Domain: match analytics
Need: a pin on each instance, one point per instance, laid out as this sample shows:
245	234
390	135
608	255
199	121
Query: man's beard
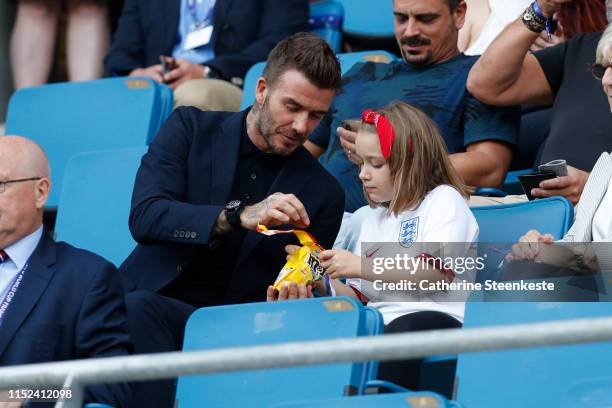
266	126
416	60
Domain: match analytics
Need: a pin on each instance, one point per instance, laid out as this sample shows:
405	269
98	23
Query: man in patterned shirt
431	75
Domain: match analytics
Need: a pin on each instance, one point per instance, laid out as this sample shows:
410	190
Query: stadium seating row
558	376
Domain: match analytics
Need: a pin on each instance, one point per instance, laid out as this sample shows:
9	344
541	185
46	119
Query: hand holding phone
167	63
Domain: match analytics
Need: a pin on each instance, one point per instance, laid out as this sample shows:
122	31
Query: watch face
527	16
232	205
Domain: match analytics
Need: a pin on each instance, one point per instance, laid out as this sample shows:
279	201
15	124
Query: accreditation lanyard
8	298
193	11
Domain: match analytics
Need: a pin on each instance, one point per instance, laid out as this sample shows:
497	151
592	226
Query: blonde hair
604	47
416	173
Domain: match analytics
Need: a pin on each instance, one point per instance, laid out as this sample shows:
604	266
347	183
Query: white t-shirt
442	217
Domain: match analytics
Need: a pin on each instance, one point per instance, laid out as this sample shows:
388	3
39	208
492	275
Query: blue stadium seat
326	21
503	225
271	323
512	184
368	18
397	400
250	82
508	222
95	202
576	376
75	117
347	60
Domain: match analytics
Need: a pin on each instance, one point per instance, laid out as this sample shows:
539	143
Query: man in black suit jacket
228	40
206	182
57	302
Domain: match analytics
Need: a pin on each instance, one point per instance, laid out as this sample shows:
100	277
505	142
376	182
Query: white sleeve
448	218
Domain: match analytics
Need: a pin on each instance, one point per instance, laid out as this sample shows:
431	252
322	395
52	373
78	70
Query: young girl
415	197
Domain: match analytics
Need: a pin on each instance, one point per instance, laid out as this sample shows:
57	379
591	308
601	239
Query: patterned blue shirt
203	10
439	90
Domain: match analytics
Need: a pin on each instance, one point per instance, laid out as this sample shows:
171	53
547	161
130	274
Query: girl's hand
289	291
290	249
339	263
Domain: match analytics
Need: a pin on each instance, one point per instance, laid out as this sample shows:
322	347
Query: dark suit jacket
244	32
69	306
184	182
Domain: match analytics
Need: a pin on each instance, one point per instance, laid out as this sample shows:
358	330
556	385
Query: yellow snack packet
303	267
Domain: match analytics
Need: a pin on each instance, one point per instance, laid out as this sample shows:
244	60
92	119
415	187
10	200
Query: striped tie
3	256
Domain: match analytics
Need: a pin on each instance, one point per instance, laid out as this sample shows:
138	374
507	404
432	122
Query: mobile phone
351	124
167	63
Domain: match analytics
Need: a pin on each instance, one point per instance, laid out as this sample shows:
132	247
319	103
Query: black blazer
244	32
69	306
184	182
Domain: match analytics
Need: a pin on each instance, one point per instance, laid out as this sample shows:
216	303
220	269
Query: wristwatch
232	213
210	73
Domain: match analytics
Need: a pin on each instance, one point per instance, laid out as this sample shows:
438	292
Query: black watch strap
233	209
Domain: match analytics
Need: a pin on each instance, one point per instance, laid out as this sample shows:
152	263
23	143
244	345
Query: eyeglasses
599	70
4	183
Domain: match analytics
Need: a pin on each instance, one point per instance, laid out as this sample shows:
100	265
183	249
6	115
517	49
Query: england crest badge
409	230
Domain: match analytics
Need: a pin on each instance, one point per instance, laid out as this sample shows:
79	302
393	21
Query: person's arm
101	330
159	210
478	13
507	74
277	20
319	139
127	49
489	133
483	164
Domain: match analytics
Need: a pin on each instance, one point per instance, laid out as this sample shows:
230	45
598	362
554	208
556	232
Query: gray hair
604	47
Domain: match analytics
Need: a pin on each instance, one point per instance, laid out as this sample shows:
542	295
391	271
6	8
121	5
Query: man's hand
276	209
289	291
347	140
542	41
529	246
184	71
340	263
154	72
569	186
550	7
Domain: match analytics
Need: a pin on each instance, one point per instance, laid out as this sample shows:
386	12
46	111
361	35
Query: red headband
386	134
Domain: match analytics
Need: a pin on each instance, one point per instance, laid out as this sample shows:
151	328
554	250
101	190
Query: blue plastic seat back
374	325
508	222
396	400
512	184
326	21
270	323
576	376
503	225
348	59
367	18
95	202
250	82
75	117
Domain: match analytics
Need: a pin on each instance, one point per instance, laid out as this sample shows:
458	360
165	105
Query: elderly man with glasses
57	302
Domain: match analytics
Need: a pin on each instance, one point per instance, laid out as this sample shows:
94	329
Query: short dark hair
452	4
308	54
